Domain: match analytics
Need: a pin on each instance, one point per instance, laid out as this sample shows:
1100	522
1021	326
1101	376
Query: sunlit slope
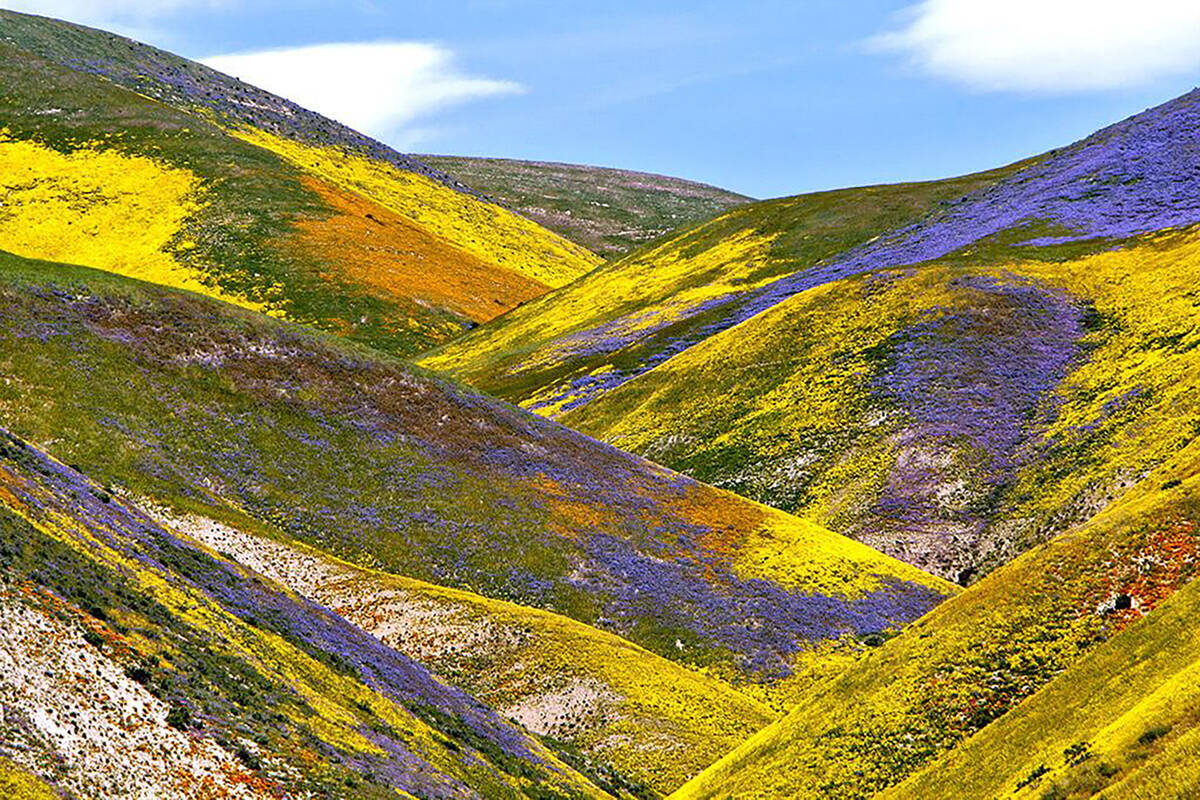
118	156
948	401
628	316
181	399
135	663
1132	178
609	211
639	722
977	656
1112	722
950	415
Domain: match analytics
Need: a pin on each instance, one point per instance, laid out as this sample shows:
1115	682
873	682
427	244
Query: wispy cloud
1048	45
380	88
132	17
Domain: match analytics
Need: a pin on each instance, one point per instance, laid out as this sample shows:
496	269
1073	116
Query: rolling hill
248	550
215	412
592	694
609	211
1057	675
136	664
123	157
950	372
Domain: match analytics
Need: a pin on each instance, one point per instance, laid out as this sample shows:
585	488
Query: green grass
609	211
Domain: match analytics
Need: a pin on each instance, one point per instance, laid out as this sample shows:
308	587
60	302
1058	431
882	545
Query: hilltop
126	158
609	211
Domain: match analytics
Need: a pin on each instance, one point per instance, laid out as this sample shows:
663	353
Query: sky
764	97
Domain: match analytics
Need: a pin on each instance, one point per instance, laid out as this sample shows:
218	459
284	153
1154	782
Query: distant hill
119	156
609	211
950	371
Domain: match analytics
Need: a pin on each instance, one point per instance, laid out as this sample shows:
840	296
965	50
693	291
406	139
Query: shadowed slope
609	211
184	400
119	156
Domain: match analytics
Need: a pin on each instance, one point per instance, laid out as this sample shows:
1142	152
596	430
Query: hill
123	157
950	372
1058	675
609	211
211	411
592	694
136	663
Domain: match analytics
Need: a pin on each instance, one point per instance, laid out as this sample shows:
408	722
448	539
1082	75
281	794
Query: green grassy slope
965	669
609	211
119	156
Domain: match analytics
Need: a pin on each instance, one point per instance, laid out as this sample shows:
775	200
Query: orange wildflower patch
729	519
570	515
1168	564
376	247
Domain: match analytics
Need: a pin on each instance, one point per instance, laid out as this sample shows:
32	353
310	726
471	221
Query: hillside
1084	629
950	383
122	157
136	664
216	412
589	692
608	211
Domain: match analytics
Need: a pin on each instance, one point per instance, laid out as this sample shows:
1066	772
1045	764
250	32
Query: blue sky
766	97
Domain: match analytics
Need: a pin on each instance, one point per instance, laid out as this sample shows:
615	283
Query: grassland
122	157
608	211
955	681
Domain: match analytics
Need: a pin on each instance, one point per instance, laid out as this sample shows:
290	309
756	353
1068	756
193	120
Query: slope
609	211
120	156
566	348
1112	723
134	664
974	659
207	407
945	391
592	694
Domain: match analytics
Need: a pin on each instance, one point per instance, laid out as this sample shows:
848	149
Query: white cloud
379	88
1049	45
